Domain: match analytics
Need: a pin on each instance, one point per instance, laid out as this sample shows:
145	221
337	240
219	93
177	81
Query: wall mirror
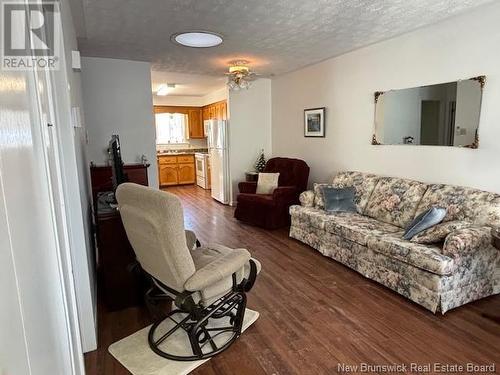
446	114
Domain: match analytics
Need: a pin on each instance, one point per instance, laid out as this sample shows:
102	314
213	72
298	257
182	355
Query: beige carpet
134	352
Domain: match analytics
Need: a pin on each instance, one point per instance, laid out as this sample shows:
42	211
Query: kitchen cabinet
176	170
186	174
217	111
168	175
195	123
206	113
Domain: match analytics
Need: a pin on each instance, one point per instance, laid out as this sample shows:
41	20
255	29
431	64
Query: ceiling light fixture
239	75
197	39
165	89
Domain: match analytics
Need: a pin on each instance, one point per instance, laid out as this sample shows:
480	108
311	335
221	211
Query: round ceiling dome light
197	39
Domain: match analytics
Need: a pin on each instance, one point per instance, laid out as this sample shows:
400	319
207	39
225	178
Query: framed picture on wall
314	122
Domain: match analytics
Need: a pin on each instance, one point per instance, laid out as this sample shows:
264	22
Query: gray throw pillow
425	220
339	199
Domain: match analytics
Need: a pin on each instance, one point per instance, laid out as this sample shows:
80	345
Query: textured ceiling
276	36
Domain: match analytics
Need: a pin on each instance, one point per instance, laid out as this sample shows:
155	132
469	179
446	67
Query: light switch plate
76	63
76	117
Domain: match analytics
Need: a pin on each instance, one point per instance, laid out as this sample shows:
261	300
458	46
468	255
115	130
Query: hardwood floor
315	313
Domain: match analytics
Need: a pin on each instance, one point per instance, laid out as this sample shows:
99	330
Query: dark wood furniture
495	234
100	177
119	283
251	176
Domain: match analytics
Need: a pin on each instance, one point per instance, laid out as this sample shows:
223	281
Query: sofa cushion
395	200
350	225
364	183
319	202
309	216
426	257
267	182
425	220
462	203
356	227
339	199
439	232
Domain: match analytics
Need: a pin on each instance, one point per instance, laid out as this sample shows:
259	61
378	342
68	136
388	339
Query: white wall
249	129
191	100
76	149
178	100
462	47
216	96
118	100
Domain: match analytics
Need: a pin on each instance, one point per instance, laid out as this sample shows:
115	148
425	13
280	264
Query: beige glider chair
206	283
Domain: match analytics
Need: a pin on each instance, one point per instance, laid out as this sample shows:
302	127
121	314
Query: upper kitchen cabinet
215	111
195	123
206	113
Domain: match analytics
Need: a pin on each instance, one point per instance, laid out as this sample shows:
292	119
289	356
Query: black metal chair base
201	335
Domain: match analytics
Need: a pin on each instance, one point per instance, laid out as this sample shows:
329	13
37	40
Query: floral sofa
438	276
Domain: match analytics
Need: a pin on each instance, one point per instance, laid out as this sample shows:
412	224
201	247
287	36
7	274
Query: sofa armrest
247	187
306	198
217	270
465	241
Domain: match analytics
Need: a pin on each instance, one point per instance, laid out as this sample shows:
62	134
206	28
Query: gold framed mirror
445	114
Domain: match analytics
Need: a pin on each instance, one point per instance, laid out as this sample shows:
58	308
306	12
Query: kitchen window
170	128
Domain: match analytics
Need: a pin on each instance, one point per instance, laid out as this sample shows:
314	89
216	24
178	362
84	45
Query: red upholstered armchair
270	211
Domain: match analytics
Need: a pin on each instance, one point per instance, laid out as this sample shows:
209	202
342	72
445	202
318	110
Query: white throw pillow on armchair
267	182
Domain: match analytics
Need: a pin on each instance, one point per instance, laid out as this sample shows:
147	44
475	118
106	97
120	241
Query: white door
37	328
34	335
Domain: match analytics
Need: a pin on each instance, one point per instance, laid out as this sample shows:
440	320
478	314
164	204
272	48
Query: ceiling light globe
197	39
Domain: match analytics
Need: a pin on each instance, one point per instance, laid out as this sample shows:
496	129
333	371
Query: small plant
260	164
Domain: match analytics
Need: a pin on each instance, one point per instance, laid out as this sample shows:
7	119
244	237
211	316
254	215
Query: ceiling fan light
238	69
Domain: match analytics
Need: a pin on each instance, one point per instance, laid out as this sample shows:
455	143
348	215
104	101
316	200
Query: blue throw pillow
339	200
425	220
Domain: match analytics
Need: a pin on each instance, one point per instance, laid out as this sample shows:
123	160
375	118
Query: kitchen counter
181	152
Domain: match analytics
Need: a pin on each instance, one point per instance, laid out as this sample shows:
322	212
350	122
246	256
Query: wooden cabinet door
206	113
168	174
195	123
223	109
211	111
187	173
218	111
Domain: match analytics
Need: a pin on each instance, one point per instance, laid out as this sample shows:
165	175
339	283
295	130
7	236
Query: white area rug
134	352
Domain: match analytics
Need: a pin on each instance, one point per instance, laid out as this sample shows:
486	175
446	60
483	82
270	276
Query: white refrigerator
218	144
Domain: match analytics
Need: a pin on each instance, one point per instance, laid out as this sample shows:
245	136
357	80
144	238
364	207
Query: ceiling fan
240	75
